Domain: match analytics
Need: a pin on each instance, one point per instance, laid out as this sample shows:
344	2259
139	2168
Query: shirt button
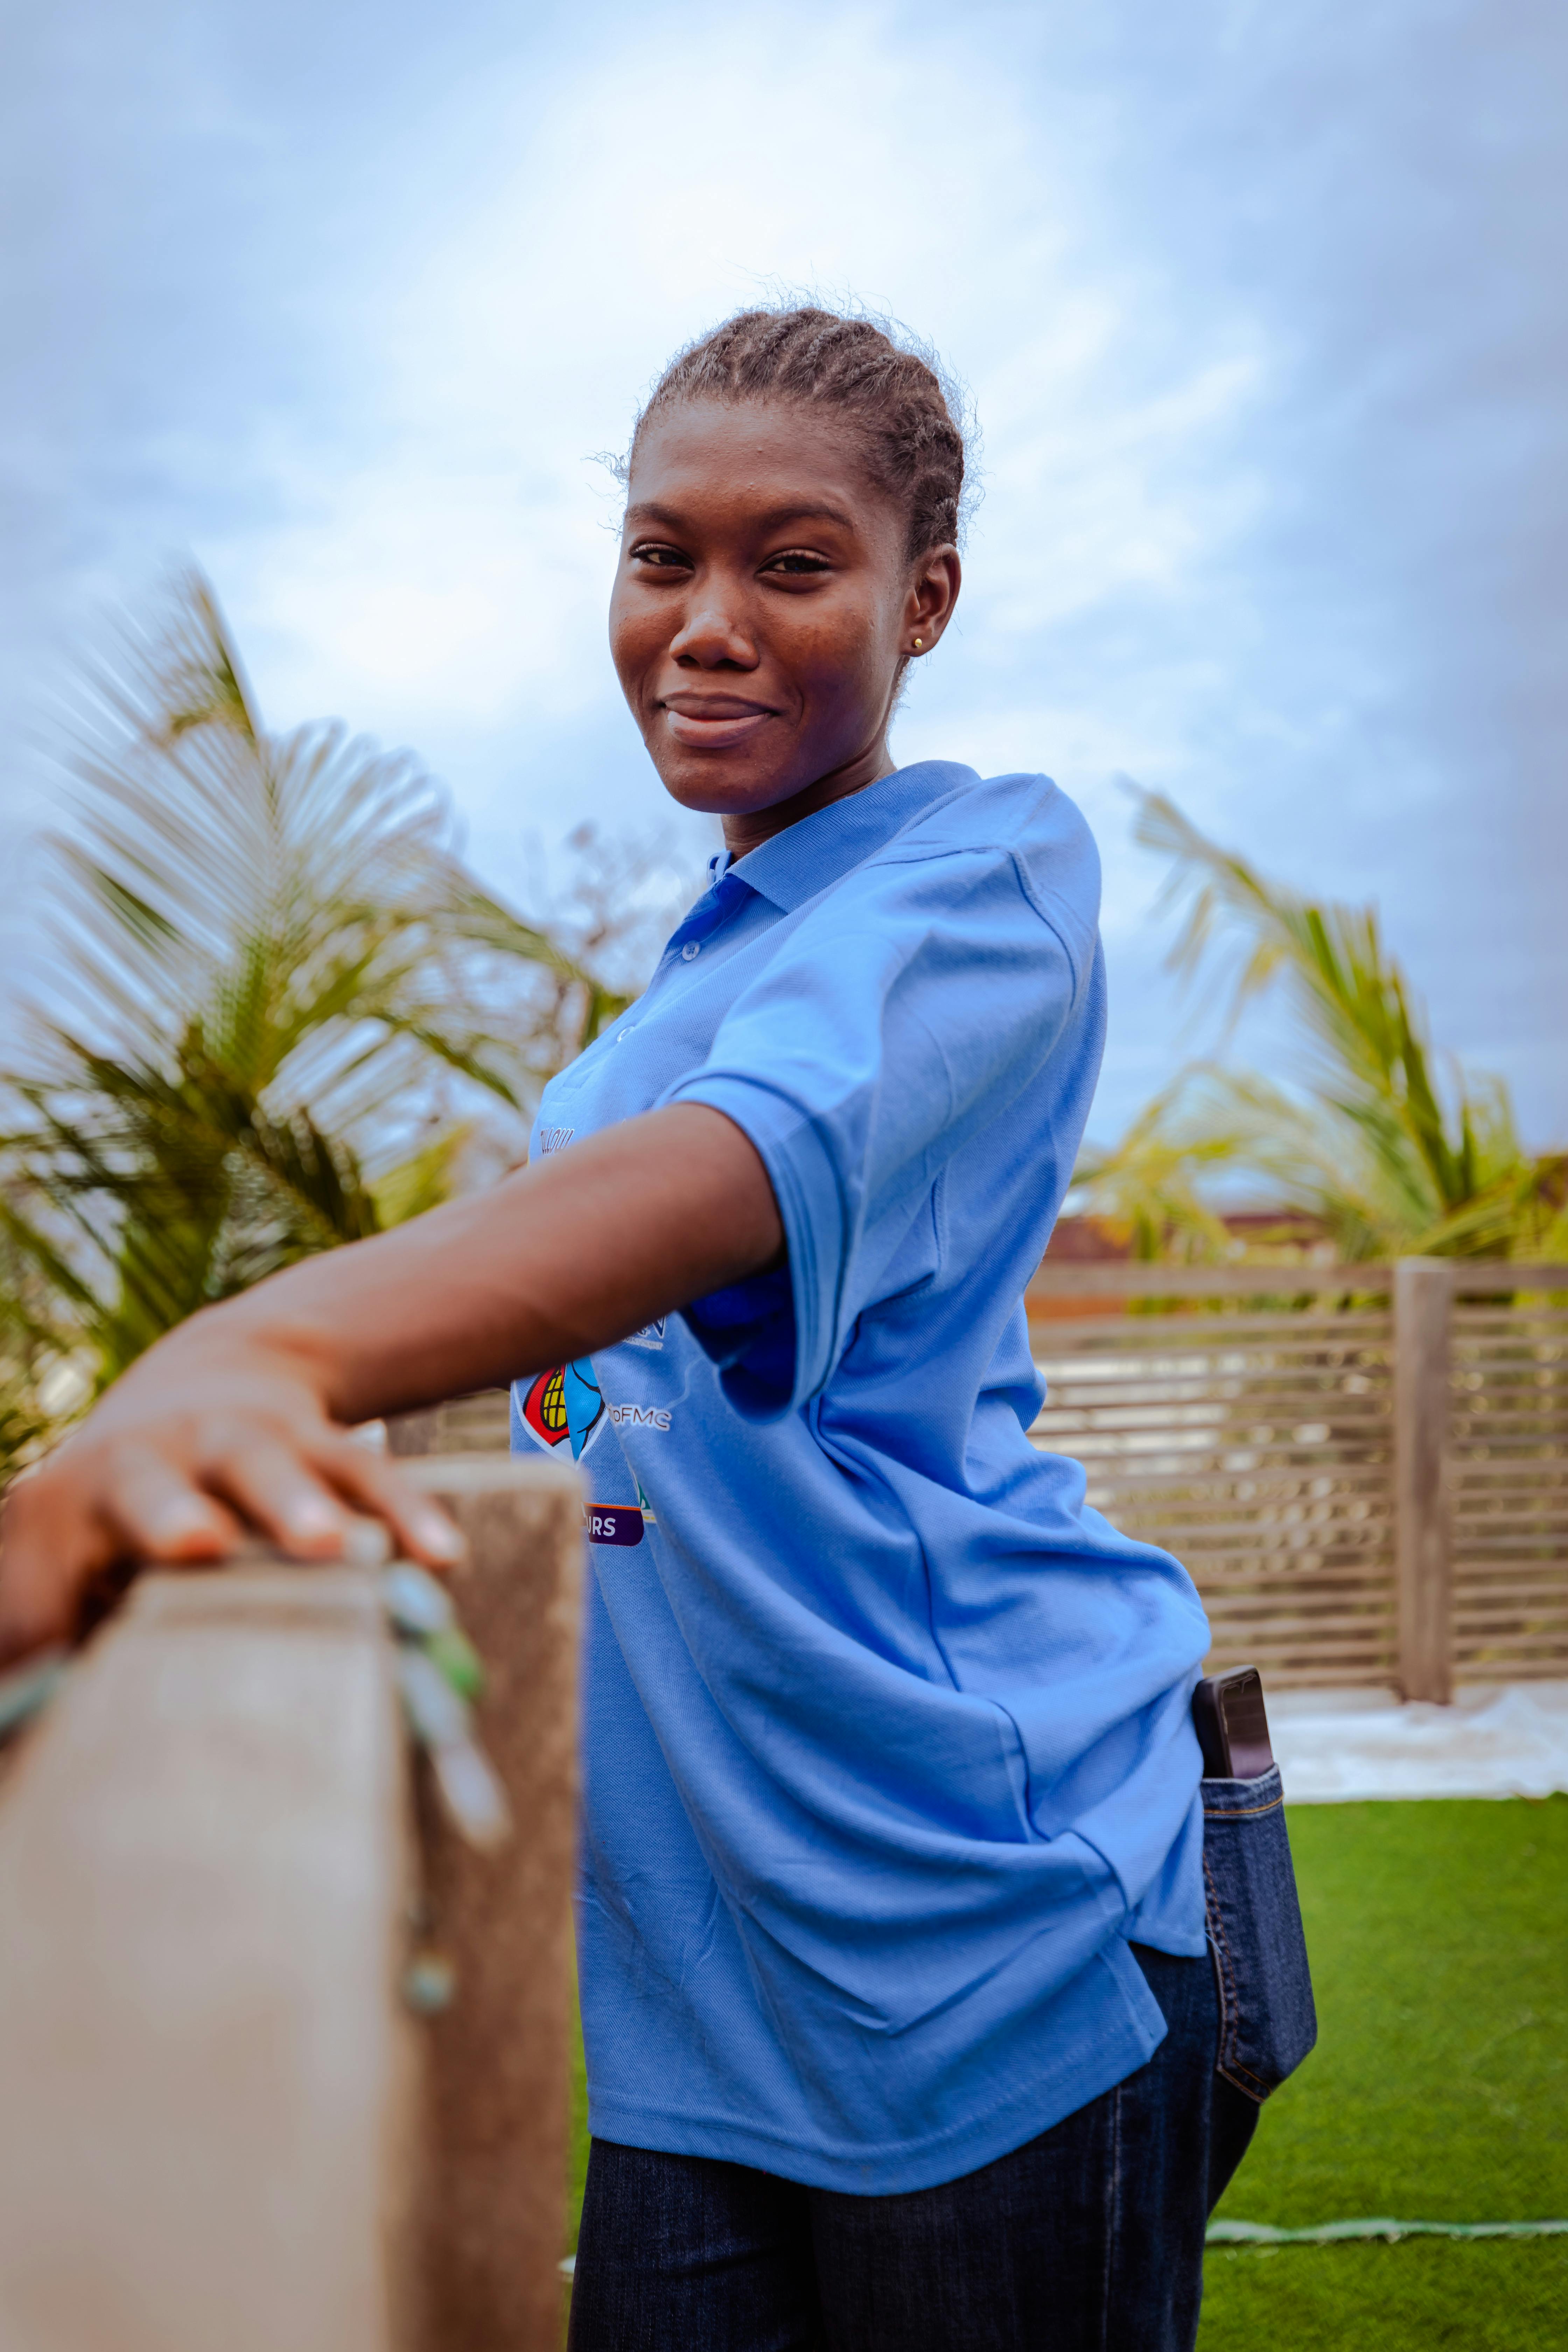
690	951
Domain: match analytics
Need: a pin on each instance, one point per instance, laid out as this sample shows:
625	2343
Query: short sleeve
907	1007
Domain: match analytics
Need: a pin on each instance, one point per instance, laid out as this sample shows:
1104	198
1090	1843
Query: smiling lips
713	722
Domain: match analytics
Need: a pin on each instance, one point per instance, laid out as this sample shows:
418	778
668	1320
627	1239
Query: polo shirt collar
807	856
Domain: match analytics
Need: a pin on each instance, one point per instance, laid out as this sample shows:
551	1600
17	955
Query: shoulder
1024	822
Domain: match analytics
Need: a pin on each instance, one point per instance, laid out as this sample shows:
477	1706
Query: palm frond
1361	1138
271	971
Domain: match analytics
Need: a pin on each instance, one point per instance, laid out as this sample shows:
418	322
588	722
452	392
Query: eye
659	556
797	561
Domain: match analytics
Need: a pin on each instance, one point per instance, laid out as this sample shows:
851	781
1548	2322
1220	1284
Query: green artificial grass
1437	2294
577	2153
1438	2090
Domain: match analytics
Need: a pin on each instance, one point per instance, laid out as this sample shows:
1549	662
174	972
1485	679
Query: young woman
902	2031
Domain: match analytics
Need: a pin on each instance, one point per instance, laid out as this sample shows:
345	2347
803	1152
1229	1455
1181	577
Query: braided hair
896	397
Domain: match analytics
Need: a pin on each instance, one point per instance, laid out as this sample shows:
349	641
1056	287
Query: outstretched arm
241	1414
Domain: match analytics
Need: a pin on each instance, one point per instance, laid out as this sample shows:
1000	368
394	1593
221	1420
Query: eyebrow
647	511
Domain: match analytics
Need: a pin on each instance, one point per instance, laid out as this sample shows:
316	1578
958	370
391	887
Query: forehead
734	460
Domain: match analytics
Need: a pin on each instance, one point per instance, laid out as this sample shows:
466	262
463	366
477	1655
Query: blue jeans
1091	2235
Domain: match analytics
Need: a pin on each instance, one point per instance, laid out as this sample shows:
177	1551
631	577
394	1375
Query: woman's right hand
211	1432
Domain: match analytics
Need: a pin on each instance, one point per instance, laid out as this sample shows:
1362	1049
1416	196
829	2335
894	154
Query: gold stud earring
919	645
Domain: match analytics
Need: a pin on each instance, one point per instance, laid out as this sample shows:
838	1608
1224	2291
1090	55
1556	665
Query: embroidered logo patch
562	1407
554	1139
650	1335
612	1523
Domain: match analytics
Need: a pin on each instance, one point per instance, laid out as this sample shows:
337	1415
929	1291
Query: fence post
1422	1292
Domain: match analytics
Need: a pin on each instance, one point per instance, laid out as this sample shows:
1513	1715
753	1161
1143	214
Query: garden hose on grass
1328	2233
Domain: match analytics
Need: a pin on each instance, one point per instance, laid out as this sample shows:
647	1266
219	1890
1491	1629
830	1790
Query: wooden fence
1366	1468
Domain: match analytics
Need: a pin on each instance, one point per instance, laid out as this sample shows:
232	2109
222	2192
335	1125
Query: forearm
568	1255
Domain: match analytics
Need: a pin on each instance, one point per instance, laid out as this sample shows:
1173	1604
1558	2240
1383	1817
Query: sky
1261	309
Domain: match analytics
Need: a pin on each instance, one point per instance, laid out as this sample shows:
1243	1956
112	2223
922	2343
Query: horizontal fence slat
1295	1329
1496	1624
1475	1278
1284	1572
1541	1573
1507	1316
1124	1279
1219	1542
1473	1551
1142	1493
1478	1414
1217	1390
1478	1532
1345	1585
1363	1635
1520	1458
1176	1370
1327	1648
1308	1678
1488	1666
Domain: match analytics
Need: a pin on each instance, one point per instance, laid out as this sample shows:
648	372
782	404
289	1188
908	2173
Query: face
763	609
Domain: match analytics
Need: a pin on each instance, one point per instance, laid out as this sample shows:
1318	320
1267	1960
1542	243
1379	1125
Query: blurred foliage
1361	1139
282	1014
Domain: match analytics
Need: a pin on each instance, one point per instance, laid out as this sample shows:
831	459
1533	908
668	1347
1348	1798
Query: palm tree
1360	1139
279	1001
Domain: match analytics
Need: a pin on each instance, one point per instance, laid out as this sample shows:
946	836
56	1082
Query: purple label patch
612	1523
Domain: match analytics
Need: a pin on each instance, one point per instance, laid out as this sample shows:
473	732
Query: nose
711	640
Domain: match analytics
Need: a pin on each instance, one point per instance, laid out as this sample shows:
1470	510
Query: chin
709	787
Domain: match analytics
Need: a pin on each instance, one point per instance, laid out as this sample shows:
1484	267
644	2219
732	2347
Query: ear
932	593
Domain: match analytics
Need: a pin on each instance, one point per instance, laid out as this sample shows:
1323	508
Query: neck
749	828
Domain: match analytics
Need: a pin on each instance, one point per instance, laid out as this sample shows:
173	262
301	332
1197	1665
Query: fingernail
313	1522
177	1523
438	1536
366	1544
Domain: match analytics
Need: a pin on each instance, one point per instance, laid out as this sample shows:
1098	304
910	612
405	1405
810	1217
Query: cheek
634	639
845	658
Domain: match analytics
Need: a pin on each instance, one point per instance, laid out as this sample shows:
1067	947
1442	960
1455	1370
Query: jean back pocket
1267	2022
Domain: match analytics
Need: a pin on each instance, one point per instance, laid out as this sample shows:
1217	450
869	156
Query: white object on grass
1344	1748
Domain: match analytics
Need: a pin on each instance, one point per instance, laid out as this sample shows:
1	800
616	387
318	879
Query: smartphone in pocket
1232	1724
1268	2022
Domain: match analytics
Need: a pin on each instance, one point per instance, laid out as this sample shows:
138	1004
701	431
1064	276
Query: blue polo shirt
886	1736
